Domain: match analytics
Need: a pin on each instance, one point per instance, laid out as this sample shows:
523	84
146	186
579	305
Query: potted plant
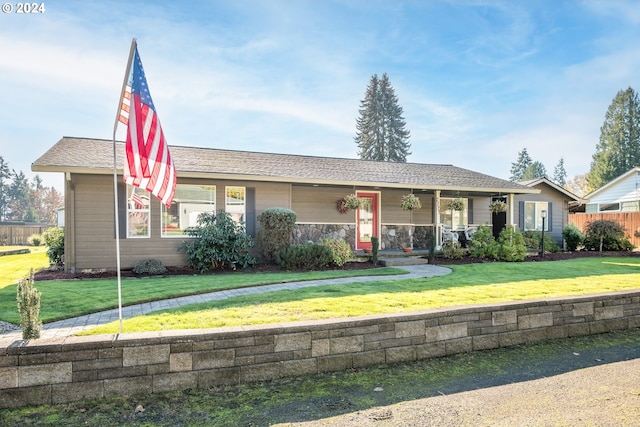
456	204
497	206
410	202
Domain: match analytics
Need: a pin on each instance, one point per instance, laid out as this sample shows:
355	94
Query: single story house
618	200
245	184
553	201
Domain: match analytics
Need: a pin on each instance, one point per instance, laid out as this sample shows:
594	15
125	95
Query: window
138	216
533	215
608	207
450	218
235	203
189	201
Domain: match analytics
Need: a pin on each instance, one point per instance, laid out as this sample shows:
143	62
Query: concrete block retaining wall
75	368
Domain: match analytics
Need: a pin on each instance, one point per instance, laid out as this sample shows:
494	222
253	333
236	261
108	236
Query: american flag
148	163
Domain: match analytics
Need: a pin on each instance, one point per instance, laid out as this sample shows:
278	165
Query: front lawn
468	284
15	267
62	299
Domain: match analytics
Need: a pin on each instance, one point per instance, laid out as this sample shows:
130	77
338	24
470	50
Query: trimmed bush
151	267
573	236
512	247
54	239
375	246
35	240
606	235
29	307
452	250
219	244
533	240
276	228
484	245
340	251
307	256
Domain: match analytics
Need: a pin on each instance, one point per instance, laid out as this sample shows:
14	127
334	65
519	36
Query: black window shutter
122	210
250	222
521	216
549	218
470	209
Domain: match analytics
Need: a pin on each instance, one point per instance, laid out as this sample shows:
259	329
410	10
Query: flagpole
115	180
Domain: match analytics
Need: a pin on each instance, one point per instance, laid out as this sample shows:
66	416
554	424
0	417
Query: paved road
75	325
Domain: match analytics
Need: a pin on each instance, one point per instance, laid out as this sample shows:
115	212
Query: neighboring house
553	200
619	200
245	184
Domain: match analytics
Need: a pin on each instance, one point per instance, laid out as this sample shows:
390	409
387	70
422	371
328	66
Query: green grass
71	298
469	284
15	267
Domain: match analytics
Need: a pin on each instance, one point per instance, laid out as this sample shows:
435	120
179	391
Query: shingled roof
95	156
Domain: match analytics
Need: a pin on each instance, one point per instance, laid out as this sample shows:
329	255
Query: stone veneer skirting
392	236
75	368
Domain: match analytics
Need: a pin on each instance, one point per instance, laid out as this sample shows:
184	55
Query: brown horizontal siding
629	220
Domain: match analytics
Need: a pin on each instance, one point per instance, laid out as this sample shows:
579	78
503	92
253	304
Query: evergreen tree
618	150
535	170
381	132
4	188
520	166
560	174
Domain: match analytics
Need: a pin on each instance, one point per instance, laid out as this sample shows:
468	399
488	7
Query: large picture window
189	201
456	220
138	216
235	203
533	215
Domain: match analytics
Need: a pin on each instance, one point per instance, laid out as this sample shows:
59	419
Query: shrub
29	307
533	240
512	247
573	237
606	235
54	239
35	240
452	250
151	267
219	244
340	251
276	227
483	244
307	256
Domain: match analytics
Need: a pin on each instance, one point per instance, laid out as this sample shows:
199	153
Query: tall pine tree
560	174
619	148
519	168
381	132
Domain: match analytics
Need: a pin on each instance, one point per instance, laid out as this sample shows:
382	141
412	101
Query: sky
478	80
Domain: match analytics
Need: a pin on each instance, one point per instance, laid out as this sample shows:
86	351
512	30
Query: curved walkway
79	324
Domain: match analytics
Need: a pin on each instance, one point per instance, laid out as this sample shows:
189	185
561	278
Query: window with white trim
533	215
450	218
609	207
235	203
188	202
138	212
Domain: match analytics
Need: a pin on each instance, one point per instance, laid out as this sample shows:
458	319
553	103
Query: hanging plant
410	202
351	201
497	206
456	204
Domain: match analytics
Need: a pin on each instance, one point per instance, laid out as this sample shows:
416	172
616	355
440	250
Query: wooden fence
17	234
629	220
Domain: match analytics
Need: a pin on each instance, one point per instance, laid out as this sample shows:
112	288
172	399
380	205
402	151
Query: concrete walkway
75	325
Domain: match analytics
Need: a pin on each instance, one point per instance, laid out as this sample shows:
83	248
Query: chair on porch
448	235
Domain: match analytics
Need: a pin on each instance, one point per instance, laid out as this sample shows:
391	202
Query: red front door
367	219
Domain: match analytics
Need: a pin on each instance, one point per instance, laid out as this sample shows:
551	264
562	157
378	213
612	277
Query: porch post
510	220
436	220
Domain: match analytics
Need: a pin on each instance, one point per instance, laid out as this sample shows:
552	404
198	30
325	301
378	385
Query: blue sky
478	80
